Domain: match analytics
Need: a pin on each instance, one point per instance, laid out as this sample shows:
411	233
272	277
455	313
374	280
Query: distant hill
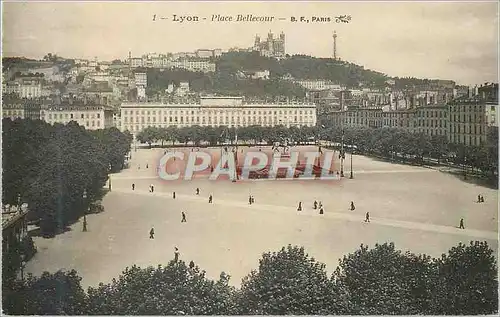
226	80
302	67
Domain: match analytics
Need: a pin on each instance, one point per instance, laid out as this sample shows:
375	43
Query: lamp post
342	155
465	167
351	176
23	265
85	213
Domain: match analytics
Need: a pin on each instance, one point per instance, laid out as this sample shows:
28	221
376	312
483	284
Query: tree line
213	136
390	143
50	167
370	281
402	145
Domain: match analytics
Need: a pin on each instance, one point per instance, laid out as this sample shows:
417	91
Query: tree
50	294
149	135
287	282
50	167
385	281
468	281
175	289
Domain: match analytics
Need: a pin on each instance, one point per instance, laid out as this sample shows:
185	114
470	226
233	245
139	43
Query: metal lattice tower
335	45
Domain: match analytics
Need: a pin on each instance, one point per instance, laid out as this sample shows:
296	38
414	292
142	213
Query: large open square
417	208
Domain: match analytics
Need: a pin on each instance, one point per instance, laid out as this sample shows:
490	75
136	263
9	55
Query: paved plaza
417	208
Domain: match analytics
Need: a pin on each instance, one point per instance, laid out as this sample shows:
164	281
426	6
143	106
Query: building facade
468	122
318	85
21	108
30	89
432	120
92	117
215	111
141	79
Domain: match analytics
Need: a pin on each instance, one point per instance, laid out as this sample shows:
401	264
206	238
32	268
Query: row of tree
376	281
222	134
400	144
50	167
397	144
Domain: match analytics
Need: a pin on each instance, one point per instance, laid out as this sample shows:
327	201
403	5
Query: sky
438	40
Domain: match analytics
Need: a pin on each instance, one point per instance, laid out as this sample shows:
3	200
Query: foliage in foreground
50	167
381	280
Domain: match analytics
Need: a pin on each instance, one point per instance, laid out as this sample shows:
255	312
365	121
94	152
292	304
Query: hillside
226	80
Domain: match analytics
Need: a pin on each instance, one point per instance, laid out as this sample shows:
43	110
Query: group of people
319	205
251	199
316	205
480	198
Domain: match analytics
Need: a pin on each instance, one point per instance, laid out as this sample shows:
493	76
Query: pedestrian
197	191
478	198
152	189
315	205
173	195
176	254
210	198
253	200
133	186
152	233
249	199
352	206
320	204
321	211
462	224
183	217
147	165
482	198
299	208
138	167
367	217
149	188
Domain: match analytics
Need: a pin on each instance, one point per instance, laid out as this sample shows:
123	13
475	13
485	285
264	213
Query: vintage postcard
249	158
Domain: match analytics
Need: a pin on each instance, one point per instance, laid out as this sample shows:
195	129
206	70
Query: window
98	116
71	116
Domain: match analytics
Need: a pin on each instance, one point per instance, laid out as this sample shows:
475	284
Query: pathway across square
417	208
